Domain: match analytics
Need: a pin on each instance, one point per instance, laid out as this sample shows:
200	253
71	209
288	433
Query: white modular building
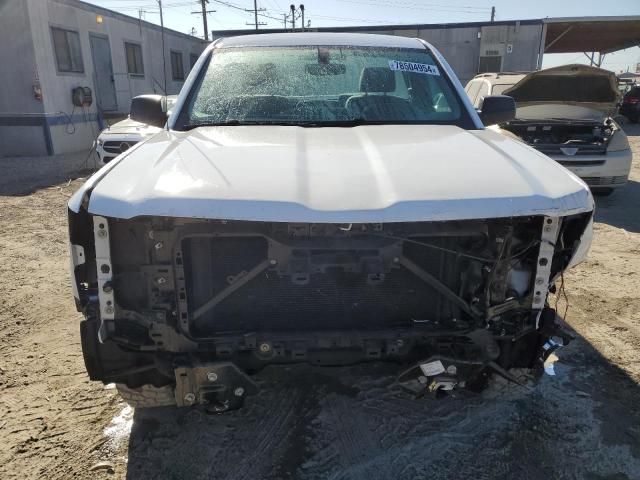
67	64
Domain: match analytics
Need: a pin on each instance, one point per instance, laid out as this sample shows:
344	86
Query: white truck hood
570	91
388	173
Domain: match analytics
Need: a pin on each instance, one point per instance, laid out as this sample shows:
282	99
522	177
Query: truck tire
147	396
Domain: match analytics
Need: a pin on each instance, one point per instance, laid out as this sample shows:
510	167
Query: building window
66	45
134	58
177	70
194	58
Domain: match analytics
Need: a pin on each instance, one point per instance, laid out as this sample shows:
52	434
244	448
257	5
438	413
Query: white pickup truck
320	198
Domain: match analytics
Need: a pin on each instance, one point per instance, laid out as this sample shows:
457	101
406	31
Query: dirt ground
318	423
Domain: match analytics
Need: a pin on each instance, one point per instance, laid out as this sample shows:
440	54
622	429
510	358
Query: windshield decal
414	67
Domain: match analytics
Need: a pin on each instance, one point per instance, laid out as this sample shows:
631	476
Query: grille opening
324	298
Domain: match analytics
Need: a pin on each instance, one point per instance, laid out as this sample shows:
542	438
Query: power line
350	19
238	7
276	5
424	7
418	6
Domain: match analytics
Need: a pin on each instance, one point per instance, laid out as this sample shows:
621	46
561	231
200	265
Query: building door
492	63
103	73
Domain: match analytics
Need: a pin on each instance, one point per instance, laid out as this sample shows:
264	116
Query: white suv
320	198
566	113
121	136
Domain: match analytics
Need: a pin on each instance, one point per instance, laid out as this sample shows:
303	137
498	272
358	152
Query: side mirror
497	109
148	109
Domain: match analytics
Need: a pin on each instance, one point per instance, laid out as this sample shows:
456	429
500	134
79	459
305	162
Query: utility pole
284	20
204	19
204	12
140	11
293	17
164	57
255	11
302	10
493	14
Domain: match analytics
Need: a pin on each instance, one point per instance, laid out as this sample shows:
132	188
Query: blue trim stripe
62	119
37	119
46	121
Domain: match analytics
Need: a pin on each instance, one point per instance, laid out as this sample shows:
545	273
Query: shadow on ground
351	423
608	209
24	175
614	210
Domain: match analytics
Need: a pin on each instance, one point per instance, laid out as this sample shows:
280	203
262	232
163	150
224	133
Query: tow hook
221	386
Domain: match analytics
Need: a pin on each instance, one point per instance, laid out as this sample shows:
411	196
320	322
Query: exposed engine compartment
168	295
568	138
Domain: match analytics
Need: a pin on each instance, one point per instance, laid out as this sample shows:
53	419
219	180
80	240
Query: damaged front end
199	305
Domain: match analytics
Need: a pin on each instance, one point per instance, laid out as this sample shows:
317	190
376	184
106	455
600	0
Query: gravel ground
316	423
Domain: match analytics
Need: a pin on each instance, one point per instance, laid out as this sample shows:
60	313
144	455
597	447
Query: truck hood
569	91
387	173
563	111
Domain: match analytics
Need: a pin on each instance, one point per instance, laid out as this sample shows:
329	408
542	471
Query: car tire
602	192
147	396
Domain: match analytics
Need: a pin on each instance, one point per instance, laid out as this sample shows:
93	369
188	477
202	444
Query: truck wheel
147	396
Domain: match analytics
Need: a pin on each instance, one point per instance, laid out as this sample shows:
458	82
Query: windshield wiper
354	122
191	126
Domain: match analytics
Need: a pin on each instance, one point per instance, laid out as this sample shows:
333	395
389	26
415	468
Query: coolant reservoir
518	280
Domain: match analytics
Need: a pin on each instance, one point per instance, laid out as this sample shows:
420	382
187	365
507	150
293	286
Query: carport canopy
591	34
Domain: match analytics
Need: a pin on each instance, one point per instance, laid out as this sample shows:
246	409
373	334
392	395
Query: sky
231	14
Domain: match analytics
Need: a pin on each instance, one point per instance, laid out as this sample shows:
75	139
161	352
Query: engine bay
557	137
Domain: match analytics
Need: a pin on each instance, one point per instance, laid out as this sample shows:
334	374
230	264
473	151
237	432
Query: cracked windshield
323	85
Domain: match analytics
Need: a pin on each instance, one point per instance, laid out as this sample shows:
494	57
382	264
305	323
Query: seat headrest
377	79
